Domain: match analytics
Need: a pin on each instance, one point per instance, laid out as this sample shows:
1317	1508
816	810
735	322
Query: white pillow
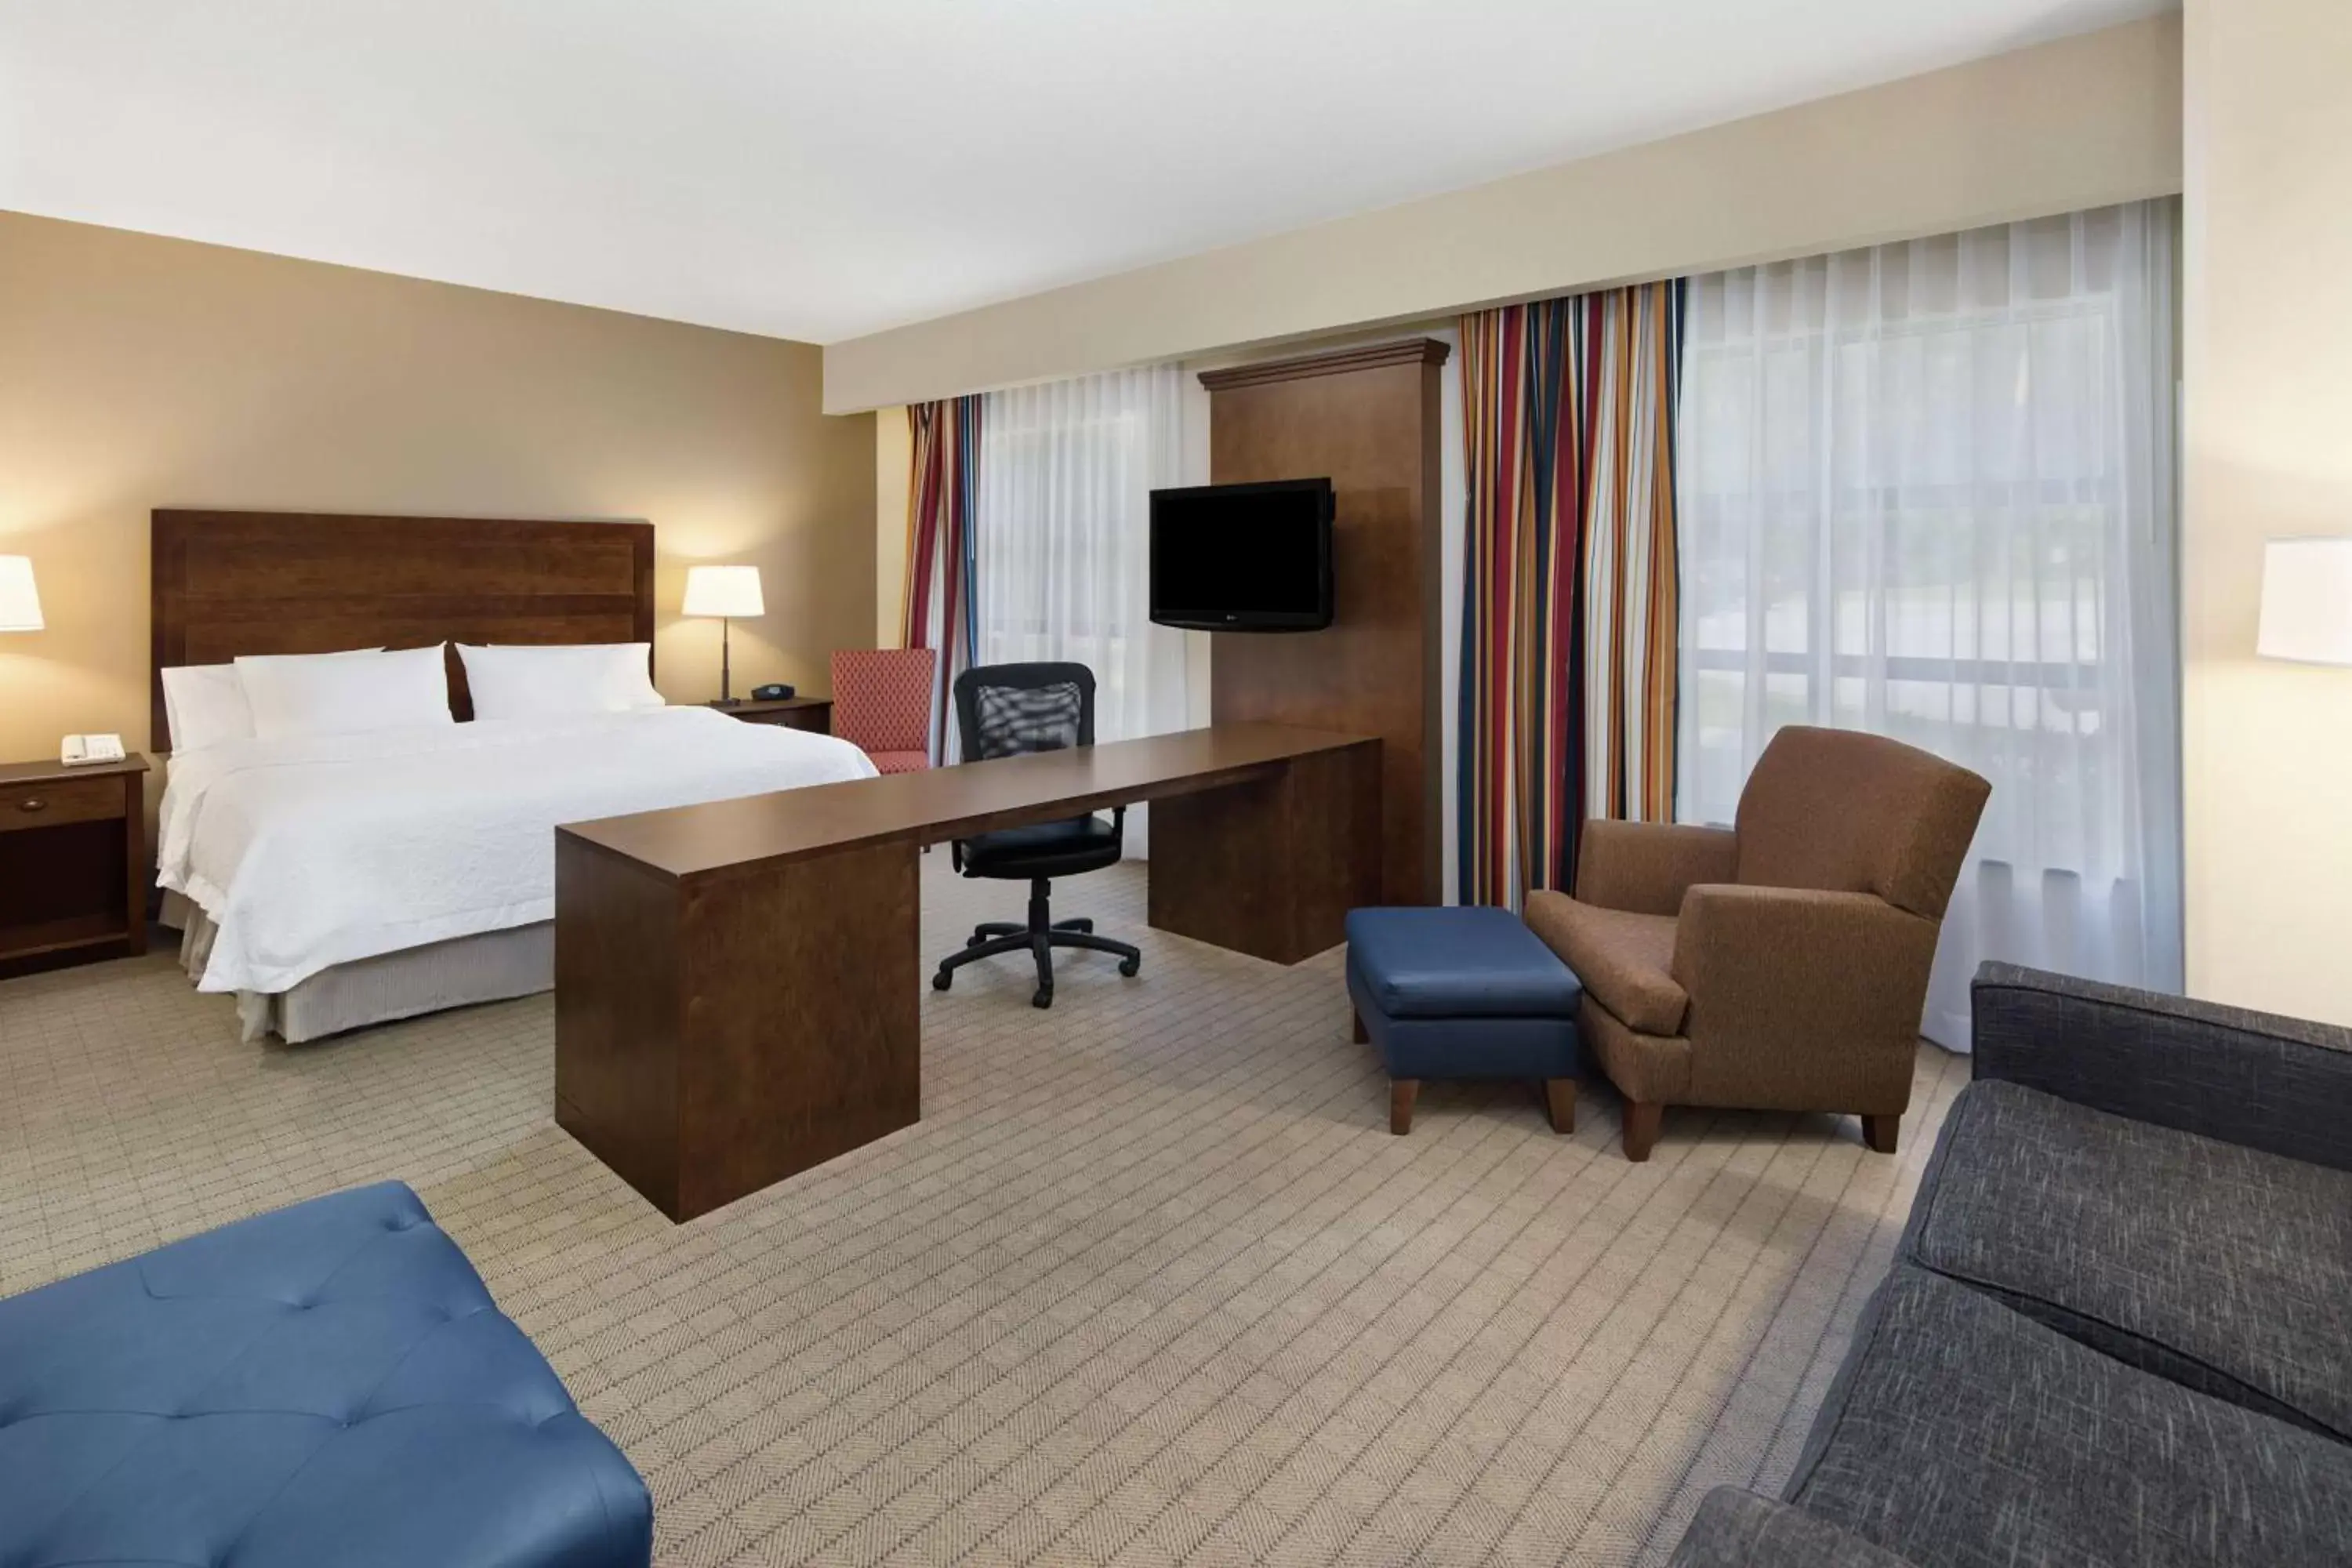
339	693
204	705
535	682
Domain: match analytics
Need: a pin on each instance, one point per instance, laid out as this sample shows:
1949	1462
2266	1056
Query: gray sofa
2119	1327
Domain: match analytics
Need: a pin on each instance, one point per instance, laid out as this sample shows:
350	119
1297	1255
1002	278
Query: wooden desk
739	985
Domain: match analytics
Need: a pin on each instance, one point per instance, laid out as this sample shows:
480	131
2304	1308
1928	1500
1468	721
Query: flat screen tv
1243	558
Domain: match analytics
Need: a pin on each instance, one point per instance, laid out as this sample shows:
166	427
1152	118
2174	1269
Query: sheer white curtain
1927	491
1063	529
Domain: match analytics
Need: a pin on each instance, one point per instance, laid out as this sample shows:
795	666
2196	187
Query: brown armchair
1781	964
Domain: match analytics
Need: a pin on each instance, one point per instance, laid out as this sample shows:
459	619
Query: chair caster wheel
942	980
1131	967
1044	997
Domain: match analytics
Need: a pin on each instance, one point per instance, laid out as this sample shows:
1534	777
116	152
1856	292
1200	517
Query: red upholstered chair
882	704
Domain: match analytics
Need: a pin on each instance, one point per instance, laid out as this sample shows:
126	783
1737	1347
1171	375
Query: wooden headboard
230	583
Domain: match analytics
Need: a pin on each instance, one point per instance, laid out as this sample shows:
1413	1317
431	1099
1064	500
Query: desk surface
949	803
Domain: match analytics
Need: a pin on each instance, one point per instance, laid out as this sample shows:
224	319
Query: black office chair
1003	710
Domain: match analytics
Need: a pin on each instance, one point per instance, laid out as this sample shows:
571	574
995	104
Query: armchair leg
1401	1093
1879	1132
1559	1103
1363	1036
1642	1121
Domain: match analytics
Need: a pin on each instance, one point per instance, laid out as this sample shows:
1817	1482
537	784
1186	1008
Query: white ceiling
819	168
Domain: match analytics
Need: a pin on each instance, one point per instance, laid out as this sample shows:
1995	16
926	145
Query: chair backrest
882	698
1004	710
1851	813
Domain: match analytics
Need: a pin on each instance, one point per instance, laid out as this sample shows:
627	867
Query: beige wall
2268	344
138	372
2075	123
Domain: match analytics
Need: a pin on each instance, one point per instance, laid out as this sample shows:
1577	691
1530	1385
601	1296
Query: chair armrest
2280	1085
1738	1528
1644	868
1802	999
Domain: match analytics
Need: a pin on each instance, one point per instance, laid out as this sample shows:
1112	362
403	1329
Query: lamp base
727	702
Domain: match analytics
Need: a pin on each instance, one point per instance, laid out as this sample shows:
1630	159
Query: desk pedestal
719	1031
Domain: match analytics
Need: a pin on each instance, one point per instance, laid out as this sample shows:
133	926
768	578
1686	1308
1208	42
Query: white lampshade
732	590
20	602
2306	601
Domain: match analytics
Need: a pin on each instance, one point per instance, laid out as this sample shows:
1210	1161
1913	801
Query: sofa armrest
1738	1528
2280	1085
1801	998
1644	868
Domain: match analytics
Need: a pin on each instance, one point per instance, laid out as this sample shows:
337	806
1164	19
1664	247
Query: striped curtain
1568	615
938	612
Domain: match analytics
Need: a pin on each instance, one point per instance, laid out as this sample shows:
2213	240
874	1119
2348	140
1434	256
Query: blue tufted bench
328	1384
1467	991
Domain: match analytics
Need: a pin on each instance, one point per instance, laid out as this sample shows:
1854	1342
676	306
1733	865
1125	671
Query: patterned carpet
1150	1283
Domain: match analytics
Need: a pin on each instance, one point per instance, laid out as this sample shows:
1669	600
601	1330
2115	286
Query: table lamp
20	601
731	594
2306	601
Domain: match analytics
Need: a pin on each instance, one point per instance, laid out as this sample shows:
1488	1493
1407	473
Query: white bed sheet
313	851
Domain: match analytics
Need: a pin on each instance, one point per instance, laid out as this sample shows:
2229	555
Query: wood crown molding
1405	351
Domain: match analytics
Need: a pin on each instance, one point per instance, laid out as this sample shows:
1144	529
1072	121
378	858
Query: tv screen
1241	558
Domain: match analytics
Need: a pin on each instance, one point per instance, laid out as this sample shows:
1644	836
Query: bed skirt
490	967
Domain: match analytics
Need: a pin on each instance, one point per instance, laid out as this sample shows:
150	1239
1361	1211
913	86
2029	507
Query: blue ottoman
1462	993
327	1384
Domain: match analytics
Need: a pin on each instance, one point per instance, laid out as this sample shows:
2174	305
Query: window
1926	490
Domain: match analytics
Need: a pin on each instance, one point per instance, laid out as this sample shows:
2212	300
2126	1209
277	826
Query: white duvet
313	852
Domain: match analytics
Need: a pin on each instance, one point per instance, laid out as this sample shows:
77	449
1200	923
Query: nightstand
813	714
73	863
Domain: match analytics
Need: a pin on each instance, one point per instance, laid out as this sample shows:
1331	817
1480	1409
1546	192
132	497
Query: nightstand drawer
63	800
813	714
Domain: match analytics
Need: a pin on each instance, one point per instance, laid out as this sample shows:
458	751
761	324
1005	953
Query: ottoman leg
1362	1034
1559	1103
1401	1093
1642	1119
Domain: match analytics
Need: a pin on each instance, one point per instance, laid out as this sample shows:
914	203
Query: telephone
81	749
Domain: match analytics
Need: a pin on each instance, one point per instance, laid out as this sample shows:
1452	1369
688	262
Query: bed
338	881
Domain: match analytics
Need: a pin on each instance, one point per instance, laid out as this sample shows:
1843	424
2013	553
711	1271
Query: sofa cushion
327	1384
1736	1528
1465	962
2216	1266
1621	958
1963	1435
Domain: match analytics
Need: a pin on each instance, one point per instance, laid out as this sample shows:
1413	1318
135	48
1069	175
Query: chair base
1880	1132
1043	933
1559	1103
1643	1118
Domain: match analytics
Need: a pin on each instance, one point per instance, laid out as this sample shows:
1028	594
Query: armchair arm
1644	868
1738	1528
1802	999
2281	1085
